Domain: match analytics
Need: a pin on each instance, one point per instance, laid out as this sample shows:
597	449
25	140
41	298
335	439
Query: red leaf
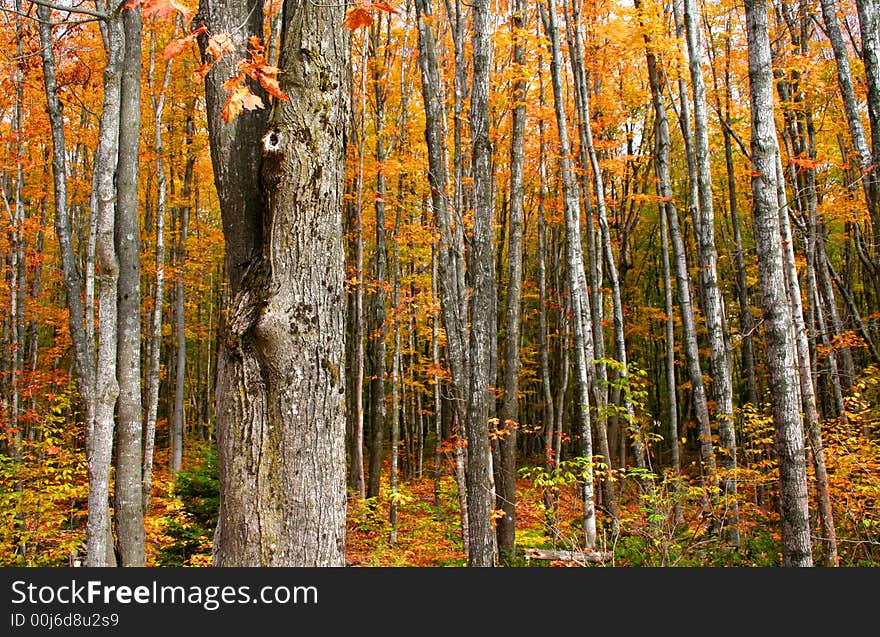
161	9
384	6
358	17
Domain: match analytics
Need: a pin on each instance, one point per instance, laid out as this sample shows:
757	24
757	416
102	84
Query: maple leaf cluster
258	69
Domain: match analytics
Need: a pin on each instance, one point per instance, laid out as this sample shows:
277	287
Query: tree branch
58	7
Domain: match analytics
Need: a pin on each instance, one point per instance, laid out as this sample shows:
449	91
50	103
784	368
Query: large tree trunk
479	467
778	329
280	391
99	437
128	504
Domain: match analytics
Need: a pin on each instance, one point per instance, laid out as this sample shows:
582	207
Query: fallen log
567	556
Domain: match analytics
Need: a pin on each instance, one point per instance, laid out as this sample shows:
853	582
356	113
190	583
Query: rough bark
479	468
453	291
128	503
280	391
99	439
778	328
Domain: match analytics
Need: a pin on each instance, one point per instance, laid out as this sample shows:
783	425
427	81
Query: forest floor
183	515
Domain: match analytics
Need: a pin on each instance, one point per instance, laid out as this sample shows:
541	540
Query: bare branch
89	12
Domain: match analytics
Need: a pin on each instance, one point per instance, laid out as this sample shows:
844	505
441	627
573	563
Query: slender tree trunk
799	129
869	25
178	413
548	416
438	393
357	392
155	335
594	339
666	209
178	416
396	379
747	322
713	301
683	283
505	481
778	329
83	344
376	349
869	175
128	504
575	271
453	292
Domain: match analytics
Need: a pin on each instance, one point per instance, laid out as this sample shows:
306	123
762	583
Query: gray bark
128	502
713	301
869	25
280	392
479	468
453	291
83	345
155	334
376	350
594	339
870	180
357	392
99	439
778	328
575	273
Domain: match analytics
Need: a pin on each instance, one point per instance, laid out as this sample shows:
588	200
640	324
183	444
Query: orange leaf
233	82
358	17
175	47
256	45
384	6
220	44
202	71
161	9
241	98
